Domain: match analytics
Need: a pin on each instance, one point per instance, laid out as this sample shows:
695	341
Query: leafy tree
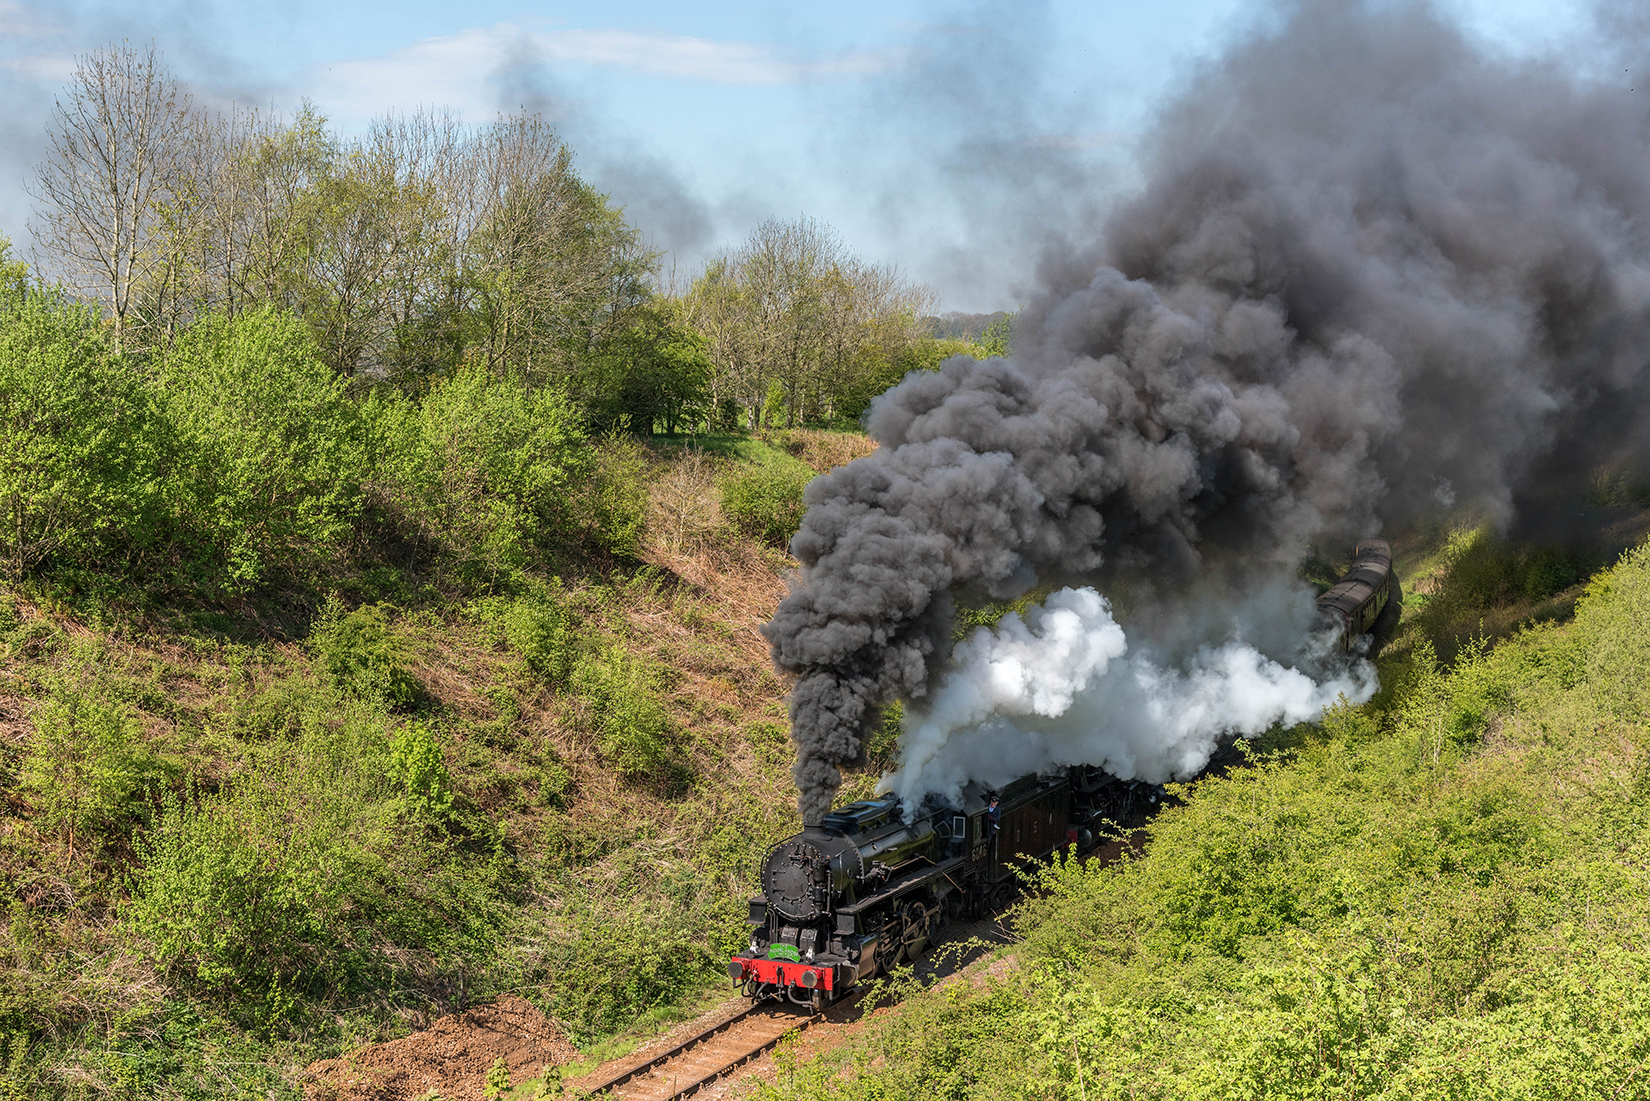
269	450
793	312
76	434
653	374
997	334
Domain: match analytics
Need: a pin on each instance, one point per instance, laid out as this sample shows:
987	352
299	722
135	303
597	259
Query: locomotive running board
904	883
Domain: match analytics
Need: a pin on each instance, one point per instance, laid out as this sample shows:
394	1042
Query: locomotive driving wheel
890	945
914	931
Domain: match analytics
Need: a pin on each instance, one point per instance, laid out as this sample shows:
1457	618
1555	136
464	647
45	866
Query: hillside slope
226	853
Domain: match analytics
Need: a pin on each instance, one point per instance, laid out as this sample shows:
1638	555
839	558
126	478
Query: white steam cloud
1059	687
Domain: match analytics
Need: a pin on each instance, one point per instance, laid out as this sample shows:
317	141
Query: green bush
362	655
542	629
615	958
269	451
418	769
485	464
554	782
765	501
633	731
87	767
77	437
301	881
613	505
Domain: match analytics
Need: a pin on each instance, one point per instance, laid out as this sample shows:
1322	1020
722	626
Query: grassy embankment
1444	893
238	837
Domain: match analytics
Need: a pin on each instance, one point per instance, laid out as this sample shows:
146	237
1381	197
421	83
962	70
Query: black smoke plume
1373	268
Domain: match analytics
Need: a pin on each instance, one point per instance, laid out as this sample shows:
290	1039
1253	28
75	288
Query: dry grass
820	449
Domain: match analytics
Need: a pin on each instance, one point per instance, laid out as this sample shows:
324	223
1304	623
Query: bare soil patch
450	1058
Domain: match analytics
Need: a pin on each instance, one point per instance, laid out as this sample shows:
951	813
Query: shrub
633	732
485	464
765	501
87	767
269	450
542	630
554	782
417	768
77	436
617	958
302	878
362	656
613	505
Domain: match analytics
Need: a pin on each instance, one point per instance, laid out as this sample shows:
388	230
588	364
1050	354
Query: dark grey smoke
653	196
971	147
1370	265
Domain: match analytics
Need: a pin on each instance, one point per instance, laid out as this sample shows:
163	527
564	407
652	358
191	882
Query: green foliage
997	335
633	732
884	740
1482	572
77	458
498	1080
541	627
652	375
362	655
483	464
765	501
614	502
300	879
269	451
417	767
87	768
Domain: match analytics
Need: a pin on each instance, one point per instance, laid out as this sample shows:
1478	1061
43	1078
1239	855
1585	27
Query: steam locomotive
863	890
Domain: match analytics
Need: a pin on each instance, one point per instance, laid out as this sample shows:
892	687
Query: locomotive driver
994	814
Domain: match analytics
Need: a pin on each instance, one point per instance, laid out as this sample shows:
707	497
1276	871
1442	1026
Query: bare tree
794	308
119	140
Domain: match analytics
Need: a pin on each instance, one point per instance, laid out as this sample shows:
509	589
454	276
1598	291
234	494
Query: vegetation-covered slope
245	830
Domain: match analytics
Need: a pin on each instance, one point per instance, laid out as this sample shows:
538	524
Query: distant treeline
426	246
987	329
250	341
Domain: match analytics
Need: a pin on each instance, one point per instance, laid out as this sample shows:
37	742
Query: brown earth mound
450	1058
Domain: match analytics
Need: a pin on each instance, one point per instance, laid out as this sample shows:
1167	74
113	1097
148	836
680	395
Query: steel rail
692	1086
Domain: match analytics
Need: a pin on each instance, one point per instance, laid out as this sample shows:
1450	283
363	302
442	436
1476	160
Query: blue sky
953	139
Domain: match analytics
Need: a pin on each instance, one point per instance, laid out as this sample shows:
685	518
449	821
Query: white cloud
45	68
21	21
456	70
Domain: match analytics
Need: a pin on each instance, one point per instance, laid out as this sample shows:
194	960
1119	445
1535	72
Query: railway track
717	1051
707	1056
